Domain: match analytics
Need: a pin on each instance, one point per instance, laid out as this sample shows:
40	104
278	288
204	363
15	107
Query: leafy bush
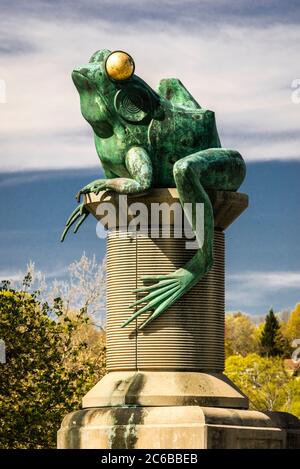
47	370
266	382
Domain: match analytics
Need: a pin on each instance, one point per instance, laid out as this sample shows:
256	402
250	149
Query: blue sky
237	58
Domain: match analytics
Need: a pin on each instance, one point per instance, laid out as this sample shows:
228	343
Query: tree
46	371
291	329
240	337
84	287
271	340
266	382
95	340
293	402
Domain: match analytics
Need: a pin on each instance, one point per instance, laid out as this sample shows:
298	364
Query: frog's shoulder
174	91
208	115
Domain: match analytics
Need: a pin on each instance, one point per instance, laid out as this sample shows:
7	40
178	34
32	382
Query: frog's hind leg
217	169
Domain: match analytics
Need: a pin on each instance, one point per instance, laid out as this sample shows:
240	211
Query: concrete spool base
165	386
177	427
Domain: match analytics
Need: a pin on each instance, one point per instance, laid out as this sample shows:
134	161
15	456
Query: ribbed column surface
190	334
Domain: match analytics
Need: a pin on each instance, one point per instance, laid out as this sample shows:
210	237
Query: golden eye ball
119	65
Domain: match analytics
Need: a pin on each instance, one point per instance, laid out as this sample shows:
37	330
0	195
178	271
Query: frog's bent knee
182	167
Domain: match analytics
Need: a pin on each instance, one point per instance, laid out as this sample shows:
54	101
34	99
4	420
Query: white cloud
243	73
269	280
18	275
12	276
250	289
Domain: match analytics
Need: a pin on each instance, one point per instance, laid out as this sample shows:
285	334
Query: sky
237	58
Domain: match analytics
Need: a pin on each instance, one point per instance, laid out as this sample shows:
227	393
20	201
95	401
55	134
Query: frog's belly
165	158
174	139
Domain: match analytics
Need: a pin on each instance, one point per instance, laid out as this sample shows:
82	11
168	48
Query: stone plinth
165	387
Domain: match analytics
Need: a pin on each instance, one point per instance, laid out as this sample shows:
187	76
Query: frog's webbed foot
94	186
163	294
79	215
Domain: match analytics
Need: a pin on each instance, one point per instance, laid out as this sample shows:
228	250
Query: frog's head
110	92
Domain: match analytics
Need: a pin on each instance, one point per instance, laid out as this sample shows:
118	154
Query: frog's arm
139	168
138	165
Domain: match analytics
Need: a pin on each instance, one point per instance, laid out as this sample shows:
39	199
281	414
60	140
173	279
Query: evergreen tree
271	340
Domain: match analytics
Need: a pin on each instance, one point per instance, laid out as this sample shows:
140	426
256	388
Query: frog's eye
119	66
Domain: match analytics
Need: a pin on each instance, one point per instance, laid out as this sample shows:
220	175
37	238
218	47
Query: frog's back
194	127
186	129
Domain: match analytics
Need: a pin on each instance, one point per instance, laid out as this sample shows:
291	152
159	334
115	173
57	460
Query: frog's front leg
139	168
215	168
95	186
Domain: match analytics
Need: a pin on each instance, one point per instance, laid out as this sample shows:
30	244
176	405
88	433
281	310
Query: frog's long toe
84	190
79	214
159	297
153	287
161	308
155	293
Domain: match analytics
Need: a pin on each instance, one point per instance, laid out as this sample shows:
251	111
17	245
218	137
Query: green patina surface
148	139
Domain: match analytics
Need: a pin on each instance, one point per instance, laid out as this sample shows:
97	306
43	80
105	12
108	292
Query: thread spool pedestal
165	386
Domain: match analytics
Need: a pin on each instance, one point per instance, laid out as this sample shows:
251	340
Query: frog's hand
174	91
94	186
80	214
163	294
138	165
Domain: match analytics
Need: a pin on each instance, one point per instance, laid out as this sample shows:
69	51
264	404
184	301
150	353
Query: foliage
291	329
83	287
46	371
55	353
240	335
266	382
271	340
